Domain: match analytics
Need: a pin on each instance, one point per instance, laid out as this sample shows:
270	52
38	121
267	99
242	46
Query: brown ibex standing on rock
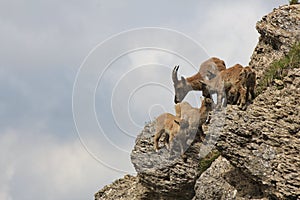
249	83
233	85
195	117
188	120
173	126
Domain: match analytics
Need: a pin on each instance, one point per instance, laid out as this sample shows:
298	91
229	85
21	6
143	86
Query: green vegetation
206	162
293	2
278	68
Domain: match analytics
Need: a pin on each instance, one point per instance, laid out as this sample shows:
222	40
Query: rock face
264	142
126	188
174	177
260	147
223	181
160	176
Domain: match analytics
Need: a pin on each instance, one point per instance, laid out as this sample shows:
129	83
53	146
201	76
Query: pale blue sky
43	45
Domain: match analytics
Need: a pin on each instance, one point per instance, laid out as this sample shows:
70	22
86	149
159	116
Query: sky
79	79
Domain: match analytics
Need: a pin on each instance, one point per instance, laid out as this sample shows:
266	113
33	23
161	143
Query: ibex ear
178	109
243	74
183	80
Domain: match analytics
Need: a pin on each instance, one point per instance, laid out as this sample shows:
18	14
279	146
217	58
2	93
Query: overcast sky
121	83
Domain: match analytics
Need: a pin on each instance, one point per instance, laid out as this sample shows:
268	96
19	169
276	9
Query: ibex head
181	86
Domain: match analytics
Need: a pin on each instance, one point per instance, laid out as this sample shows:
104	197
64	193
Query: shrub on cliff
207	161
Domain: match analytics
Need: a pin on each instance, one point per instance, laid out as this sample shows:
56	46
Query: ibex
196	117
188	120
208	70
247	80
172	126
233	85
250	83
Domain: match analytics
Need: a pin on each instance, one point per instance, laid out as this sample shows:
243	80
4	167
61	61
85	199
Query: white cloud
227	29
6	165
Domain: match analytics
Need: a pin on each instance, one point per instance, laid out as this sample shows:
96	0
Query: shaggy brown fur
210	68
250	83
172	126
235	84
187	120
195	117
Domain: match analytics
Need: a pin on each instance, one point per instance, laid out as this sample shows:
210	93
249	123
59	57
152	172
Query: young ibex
188	120
247	80
226	83
208	70
196	117
250	83
173	126
233	85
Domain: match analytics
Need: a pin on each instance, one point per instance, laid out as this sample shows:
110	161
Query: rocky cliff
259	147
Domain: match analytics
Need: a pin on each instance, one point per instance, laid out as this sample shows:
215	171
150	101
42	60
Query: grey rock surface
126	188
264	141
223	181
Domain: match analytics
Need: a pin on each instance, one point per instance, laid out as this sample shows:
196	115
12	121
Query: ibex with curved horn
208	70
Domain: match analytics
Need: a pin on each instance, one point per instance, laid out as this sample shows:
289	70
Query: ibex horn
174	74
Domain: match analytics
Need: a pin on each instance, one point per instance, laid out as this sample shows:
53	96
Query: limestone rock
127	188
264	141
225	182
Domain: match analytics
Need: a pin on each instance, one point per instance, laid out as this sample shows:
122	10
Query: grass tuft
207	160
278	68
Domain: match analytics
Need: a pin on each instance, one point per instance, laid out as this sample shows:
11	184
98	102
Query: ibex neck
195	81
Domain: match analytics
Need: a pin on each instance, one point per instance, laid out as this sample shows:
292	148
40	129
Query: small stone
288	80
278	82
278	105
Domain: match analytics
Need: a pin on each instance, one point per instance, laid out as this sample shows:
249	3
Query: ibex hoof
243	107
